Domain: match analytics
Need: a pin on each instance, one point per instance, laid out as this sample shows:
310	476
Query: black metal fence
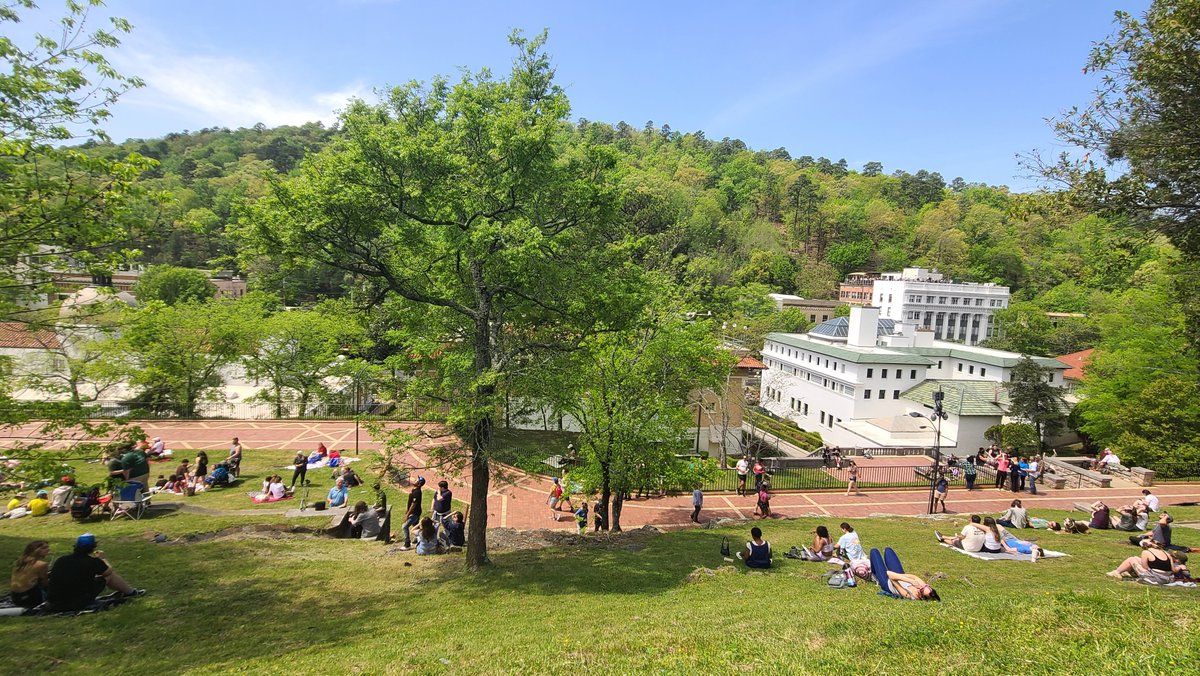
813	478
1176	471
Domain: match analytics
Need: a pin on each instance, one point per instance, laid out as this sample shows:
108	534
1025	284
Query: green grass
526	449
300	604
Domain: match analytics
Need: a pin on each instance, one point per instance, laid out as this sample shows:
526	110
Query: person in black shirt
78	578
441	503
300	468
412	516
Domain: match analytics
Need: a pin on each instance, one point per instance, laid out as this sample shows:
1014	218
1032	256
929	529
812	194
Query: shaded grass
311	605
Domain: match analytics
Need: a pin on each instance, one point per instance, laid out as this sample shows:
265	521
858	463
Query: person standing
299	468
743	469
137	467
581	516
1002	463
412	515
1035	467
235	457
441	504
697	502
554	498
970	471
759	475
201	468
939	493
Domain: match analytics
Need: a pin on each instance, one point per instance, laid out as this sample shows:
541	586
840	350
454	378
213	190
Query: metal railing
1176	471
814	478
264	411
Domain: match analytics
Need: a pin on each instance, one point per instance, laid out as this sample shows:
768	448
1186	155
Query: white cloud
228	91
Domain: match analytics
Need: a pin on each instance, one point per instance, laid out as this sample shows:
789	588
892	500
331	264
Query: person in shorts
743	471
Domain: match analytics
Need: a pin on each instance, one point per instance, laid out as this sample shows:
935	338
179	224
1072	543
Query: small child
581	517
763	508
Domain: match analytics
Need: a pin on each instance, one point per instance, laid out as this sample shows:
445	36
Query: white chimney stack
864	327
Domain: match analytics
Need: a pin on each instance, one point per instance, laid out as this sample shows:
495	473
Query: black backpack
724	546
81	508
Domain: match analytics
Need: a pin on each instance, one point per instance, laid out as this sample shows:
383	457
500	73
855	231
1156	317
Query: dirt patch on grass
256	531
511	539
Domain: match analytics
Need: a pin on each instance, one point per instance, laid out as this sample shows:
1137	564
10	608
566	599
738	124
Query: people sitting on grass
273	490
78	578
456	531
427	540
31	575
40	504
160	484
1100	515
1160	534
970	538
1126	519
350	477
757	553
338	494
1015	516
18	501
1154	562
60	497
822	546
849	547
158	448
1150	500
364	521
220	475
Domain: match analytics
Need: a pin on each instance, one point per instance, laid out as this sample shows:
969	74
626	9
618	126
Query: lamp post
938	416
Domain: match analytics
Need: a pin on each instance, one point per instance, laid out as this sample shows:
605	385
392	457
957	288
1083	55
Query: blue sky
957	86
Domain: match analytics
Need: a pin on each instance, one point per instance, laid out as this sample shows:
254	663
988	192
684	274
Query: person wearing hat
412	516
40	504
78	578
157	448
60	497
17	502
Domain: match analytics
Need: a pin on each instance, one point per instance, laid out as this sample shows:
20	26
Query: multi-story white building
857	379
955	311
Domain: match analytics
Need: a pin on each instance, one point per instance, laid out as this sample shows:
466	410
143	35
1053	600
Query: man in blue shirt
338	494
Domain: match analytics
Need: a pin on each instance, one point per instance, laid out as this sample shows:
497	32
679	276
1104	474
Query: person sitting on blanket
1015	545
219	475
822	546
313	458
337	494
1152	558
911	587
427	541
364	521
970	539
1015	516
78	578
40	504
31	575
757	553
992	540
1160	534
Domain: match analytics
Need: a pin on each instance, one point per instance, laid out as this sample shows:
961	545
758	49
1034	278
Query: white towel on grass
988	556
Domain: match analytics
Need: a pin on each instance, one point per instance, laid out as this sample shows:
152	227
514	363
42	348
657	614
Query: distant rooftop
839	327
1078	361
16	335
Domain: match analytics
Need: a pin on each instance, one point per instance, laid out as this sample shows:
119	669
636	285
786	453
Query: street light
938	416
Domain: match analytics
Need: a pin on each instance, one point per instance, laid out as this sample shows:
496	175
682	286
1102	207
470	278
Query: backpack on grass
724	546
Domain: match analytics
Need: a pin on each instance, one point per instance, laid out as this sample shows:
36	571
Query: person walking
697	502
969	472
299	468
554	498
852	485
939	493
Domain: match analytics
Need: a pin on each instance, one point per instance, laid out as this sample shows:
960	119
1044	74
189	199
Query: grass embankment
809	441
300	604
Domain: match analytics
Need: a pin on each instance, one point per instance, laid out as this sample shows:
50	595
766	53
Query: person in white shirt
1110	461
743	469
1035	465
970	539
1150	499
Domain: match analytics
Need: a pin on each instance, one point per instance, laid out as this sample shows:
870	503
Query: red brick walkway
518	500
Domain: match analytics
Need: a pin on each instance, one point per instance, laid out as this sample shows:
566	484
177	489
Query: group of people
72	583
762	484
43	502
1105	461
442	531
1014	472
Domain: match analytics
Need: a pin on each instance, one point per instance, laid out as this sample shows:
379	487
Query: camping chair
130	502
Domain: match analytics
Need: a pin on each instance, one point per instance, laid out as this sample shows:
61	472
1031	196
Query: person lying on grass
1152	559
1015	545
911	587
1161	533
757	553
1100	516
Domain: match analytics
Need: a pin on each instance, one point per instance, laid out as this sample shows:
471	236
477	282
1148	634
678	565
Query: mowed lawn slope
274	603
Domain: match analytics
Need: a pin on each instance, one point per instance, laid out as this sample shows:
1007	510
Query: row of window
808	357
971	369
882	394
883	373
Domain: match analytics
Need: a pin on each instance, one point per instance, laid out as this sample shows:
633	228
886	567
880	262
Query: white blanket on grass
325	463
988	556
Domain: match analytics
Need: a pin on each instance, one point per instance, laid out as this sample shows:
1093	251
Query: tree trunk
481	431
605	496
616	515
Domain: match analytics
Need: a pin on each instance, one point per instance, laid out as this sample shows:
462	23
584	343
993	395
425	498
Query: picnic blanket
257	498
324	462
988	556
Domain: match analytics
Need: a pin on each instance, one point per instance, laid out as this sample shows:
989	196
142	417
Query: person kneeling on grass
78	578
455	529
757	553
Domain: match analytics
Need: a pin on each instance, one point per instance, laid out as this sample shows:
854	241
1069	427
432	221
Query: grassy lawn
301	604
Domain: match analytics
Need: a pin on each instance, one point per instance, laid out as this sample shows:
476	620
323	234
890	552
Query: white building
856	380
955	311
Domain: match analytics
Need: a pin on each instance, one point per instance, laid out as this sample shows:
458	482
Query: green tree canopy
173	285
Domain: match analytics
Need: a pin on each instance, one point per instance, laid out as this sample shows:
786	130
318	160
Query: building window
895	394
912	374
954	301
982	371
870	372
971	369
866	394
824	318
812	318
939	363
889	297
928	300
806	409
822	417
960	367
978	302
941	300
882	394
883	373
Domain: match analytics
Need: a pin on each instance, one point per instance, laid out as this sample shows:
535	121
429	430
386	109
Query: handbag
724	546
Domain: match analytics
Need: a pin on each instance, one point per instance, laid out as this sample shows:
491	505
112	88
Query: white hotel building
955	311
855	381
